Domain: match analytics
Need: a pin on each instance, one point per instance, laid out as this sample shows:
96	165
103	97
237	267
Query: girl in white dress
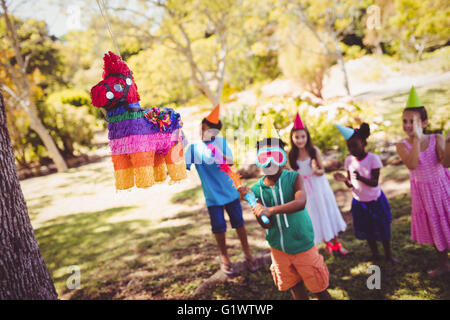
321	204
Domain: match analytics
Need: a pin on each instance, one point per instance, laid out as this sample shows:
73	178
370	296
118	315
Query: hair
421	110
217	126
270	142
362	133
293	153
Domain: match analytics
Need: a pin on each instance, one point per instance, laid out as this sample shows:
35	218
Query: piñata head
117	87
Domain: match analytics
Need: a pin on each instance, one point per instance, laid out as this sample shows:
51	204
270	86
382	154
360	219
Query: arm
340	177
440	147
374	176
446	160
317	163
189	157
258	210
409	158
226	153
295	205
228	160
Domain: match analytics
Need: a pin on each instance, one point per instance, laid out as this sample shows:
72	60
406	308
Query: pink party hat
298	123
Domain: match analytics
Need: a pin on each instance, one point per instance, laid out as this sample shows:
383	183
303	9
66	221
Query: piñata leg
123	171
160	168
175	162
143	163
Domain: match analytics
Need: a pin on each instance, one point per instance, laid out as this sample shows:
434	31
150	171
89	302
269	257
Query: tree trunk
37	125
341	61
23	273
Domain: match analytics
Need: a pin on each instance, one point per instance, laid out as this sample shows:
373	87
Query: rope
105	17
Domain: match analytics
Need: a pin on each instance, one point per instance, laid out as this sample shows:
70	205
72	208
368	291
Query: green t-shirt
292	232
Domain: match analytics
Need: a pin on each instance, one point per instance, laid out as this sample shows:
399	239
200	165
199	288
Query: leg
242	234
314	272
249	260
160	168
123	171
143	162
374	249
388	252
324	295
234	211
221	243
219	228
299	291
444	265
338	246
175	162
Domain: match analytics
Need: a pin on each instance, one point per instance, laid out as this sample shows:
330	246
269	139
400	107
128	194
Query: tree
23	273
203	34
419	25
21	91
328	22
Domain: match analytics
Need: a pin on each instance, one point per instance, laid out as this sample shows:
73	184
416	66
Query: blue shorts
217	217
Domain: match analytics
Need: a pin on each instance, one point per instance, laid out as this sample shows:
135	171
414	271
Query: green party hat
413	99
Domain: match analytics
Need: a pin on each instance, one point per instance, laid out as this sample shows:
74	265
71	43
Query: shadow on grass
189	196
165	259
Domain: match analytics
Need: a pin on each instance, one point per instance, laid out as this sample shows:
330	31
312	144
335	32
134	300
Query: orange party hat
214	116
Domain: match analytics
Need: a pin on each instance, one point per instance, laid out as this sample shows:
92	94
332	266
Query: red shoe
330	248
338	248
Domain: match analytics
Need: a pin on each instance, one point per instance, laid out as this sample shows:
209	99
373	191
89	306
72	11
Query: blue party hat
346	131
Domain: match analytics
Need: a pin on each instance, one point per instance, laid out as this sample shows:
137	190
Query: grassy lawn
168	258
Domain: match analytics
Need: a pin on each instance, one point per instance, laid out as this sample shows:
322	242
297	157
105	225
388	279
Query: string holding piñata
143	142
235	177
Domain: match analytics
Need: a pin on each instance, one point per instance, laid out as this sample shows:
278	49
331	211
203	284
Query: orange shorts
308	266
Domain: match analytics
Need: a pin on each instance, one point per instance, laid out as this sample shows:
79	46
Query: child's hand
417	128
316	170
259	210
243	190
357	175
339	177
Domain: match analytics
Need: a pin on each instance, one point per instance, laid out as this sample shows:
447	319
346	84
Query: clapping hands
339	177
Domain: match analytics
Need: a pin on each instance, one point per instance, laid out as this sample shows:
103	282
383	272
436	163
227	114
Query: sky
61	16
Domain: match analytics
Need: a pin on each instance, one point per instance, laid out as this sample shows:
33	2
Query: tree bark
23	273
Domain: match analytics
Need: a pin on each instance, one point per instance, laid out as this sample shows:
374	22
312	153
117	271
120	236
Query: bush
71	125
320	121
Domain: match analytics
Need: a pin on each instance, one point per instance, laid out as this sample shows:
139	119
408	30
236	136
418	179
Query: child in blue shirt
219	191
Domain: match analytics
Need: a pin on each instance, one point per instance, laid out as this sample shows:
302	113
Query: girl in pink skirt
430	182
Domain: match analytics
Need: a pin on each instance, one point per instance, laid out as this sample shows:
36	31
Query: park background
333	61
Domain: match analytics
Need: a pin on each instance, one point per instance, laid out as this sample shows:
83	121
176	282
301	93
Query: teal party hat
346	131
